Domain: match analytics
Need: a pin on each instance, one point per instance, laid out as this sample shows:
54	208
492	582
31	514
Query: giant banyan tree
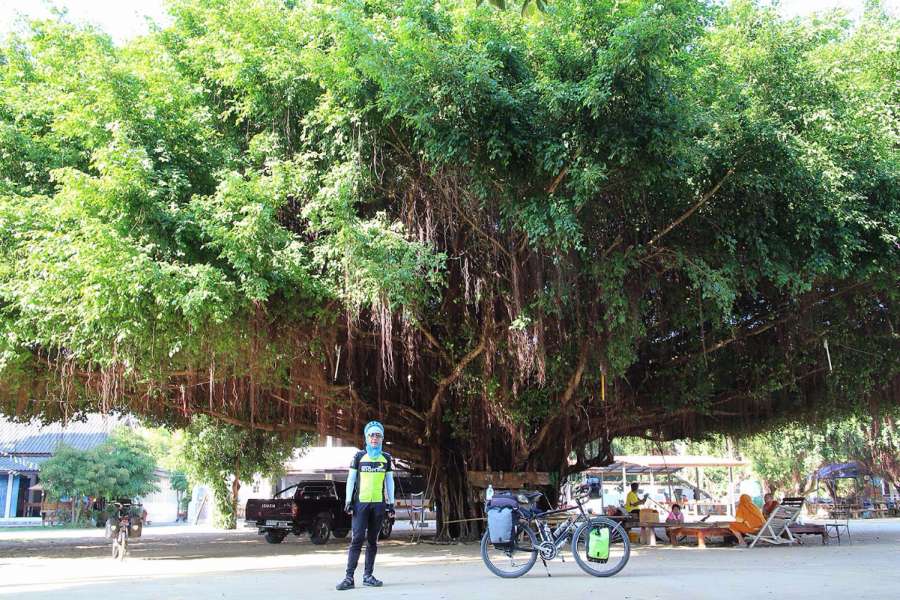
510	237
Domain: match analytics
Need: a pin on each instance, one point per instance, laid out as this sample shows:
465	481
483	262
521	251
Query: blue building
25	446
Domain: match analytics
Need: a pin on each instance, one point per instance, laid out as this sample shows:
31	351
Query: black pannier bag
526	510
112	527
136	528
503	502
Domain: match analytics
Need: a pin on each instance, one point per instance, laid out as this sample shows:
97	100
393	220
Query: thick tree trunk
235	489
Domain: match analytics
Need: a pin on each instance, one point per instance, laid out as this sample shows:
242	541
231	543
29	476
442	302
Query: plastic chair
840	519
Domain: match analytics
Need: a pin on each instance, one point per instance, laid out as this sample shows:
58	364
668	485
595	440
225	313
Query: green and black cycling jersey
371	473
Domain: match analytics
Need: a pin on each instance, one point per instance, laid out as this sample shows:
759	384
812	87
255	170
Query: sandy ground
193	563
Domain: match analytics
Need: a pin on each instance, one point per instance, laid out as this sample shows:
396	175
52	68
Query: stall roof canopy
634	465
848	470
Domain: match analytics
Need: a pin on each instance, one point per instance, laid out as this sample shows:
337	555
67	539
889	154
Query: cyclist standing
370	494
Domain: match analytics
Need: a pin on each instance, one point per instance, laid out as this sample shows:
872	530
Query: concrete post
9	493
602	499
731	491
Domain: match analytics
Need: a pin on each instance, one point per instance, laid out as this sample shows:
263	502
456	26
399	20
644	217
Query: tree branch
566	398
692	209
453	376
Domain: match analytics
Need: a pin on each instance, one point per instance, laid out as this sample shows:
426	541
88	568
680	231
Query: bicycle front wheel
514	560
616	548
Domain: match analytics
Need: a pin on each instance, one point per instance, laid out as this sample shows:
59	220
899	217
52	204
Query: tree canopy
506	235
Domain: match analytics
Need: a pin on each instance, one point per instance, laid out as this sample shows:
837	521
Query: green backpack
598	545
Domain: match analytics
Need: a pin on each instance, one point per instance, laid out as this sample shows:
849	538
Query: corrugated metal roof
8	463
35	438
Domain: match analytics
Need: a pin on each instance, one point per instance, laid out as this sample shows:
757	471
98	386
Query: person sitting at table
770	505
747	519
614	511
633	502
675	515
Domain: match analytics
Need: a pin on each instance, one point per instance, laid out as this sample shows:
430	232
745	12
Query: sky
122	19
125	19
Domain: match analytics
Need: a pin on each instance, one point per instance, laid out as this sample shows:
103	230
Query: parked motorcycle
125	524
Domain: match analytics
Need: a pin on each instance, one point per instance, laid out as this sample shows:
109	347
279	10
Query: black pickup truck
313	506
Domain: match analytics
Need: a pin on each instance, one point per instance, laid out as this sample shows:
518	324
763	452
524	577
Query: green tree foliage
224	455
182	487
785	458
455	218
540	5
121	467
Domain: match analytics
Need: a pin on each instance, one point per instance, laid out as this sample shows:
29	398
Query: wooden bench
699	532
798	529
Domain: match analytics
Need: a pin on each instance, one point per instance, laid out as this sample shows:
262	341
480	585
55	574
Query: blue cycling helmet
373	425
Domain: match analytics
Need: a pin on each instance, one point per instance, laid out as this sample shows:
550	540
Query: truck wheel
320	530
275	537
387	526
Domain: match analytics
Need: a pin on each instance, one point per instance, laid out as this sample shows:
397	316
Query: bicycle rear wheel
619	548
121	545
513	561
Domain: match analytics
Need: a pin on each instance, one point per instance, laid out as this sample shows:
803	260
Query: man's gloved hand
347	509
390	510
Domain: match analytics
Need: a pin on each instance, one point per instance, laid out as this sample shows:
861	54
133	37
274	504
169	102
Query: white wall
259	487
162	505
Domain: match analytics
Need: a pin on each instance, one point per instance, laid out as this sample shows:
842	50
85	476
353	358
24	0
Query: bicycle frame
558	538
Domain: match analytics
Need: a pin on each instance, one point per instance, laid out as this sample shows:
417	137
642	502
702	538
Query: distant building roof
321	460
659	464
33	438
9	463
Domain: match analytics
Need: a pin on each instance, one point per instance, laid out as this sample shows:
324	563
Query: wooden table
701	531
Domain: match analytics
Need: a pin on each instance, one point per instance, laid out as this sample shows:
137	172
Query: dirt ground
193	563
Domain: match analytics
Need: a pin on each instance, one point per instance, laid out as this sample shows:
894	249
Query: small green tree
120	467
220	454
70	473
179	482
126	466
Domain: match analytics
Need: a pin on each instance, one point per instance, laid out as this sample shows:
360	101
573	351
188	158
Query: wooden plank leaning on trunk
508	479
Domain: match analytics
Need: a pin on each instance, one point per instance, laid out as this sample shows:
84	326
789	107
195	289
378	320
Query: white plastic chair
776	530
